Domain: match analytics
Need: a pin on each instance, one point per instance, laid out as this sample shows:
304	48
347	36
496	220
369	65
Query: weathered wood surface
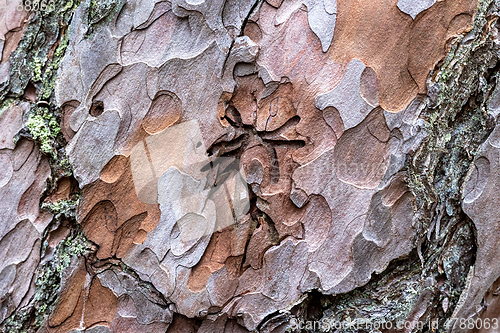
231	159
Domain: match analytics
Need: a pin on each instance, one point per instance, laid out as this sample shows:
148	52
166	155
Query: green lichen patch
100	9
66	208
47	86
37	67
36	60
42	125
48	284
44	128
40	49
6	103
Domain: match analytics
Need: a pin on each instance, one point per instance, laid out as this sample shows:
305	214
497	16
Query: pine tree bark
249	166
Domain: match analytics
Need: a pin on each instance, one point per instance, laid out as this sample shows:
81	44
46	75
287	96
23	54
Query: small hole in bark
30	92
440	279
97	108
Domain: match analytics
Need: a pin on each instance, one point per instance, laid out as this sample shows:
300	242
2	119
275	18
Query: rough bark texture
243	166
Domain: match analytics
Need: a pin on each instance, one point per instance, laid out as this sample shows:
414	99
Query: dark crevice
245	21
237	146
97	266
